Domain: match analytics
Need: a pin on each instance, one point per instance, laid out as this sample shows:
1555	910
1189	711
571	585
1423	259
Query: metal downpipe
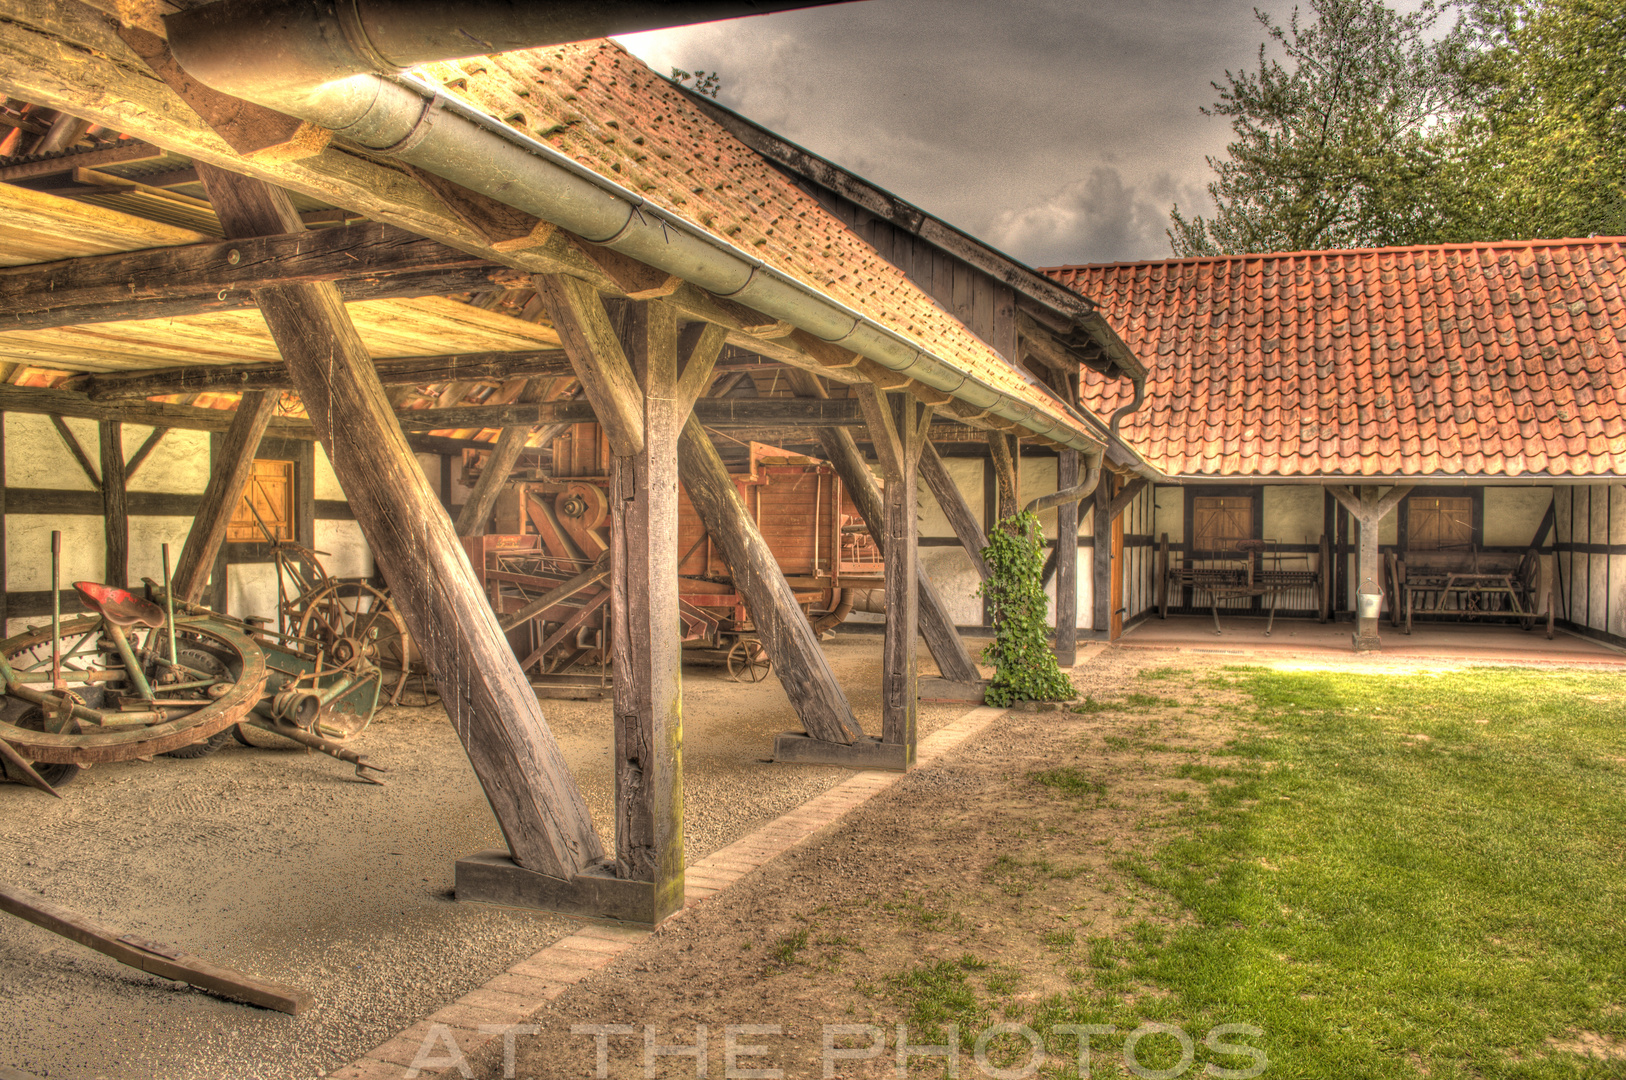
1084	489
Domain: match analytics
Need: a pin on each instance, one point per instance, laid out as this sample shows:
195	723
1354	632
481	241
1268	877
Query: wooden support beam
115	514
398	371
1003	451
784	631
103	288
952	502
638	280
590	341
954	661
1369	509
123	152
491	705
476	512
713	412
701	344
645	644
1120	502
898	424
1066	553
228	478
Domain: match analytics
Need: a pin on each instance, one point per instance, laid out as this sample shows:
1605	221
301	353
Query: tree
1344	145
1544	152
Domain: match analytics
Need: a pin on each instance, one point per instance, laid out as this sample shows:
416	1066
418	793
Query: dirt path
281	865
975	885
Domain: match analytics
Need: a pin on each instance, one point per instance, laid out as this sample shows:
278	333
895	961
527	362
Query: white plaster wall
28	550
1512	514
36	458
1293	513
251	589
347	552
967	476
148	535
179	463
957	581
326	484
1389	529
1037	477
1170	516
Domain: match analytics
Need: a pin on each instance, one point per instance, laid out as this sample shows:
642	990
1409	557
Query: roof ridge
1479	245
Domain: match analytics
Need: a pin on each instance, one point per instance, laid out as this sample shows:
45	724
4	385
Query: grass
1391	877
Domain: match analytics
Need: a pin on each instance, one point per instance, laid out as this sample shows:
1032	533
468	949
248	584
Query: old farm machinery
546	569
140	676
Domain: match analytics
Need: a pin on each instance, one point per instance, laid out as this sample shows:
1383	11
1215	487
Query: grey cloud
988	114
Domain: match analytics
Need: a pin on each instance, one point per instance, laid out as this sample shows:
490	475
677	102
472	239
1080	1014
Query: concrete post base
492	877
868	752
1366	636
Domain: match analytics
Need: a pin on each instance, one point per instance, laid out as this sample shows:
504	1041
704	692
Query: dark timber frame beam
155	282
399	371
490	704
115	513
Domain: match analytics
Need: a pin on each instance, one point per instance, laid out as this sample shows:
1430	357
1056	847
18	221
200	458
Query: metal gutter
296	67
1449	480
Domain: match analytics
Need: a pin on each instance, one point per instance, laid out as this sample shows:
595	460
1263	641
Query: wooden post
954	661
644	621
115	515
1067	562
1369	510
228	477
492	708
898	425
784	631
1101	562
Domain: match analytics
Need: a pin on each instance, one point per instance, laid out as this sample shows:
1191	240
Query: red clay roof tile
1497	359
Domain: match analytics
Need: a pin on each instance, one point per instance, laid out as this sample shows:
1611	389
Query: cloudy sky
1059	131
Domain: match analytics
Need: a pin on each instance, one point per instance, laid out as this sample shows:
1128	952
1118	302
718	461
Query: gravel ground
279	864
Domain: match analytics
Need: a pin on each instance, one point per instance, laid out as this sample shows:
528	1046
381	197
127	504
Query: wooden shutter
1439	524
270	494
1219	521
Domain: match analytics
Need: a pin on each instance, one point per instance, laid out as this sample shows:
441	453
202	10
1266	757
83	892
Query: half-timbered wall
1502	519
1590	540
45	489
1139	566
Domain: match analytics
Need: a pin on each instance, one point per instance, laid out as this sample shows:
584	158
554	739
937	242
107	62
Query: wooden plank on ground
152	957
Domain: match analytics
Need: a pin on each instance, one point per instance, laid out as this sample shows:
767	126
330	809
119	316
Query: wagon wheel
357	626
33	719
207	663
78	728
748	661
1395	575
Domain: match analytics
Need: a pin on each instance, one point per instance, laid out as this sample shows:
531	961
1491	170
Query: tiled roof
1498	359
602	107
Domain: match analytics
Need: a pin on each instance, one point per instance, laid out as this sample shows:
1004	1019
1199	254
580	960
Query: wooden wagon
546	570
1466	582
1246	569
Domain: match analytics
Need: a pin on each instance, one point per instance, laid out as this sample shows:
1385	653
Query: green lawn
1391	877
